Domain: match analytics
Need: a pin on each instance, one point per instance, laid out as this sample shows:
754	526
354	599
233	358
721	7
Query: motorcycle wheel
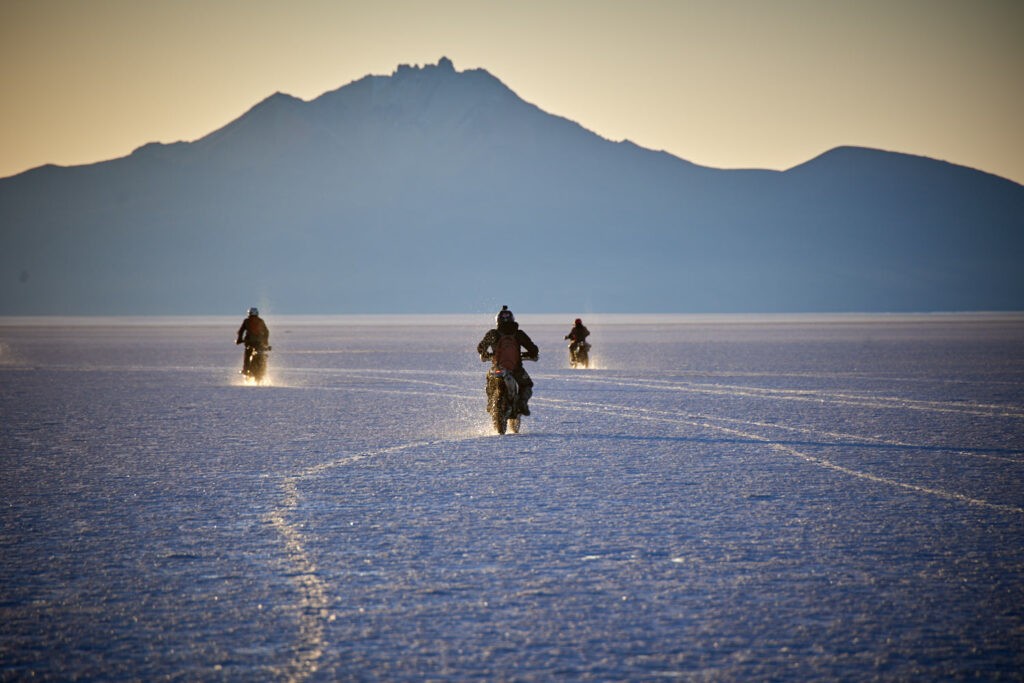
498	414
258	368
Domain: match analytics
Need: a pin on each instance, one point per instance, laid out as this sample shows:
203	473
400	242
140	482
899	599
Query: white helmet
504	315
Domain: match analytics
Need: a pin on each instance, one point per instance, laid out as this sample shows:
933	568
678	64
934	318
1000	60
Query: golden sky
724	83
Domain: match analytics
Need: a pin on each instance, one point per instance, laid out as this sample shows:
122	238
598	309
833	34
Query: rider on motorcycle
254	334
577	336
508	327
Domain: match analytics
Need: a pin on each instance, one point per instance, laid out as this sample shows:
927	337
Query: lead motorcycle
503	399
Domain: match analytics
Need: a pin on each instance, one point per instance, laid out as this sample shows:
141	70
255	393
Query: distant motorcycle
579	355
257	363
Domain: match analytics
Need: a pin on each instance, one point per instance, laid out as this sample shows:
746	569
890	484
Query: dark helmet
254	311
578	321
504	316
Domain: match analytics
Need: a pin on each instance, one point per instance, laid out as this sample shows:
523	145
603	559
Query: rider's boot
524	397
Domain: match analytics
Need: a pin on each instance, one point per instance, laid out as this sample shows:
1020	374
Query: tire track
698	421
313	610
814	396
312	613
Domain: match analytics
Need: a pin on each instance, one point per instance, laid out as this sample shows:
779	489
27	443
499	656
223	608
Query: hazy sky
726	83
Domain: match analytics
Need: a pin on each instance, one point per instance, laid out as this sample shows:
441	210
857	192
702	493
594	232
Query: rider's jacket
577	334
253	332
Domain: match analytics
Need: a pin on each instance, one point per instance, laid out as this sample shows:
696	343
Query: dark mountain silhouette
433	190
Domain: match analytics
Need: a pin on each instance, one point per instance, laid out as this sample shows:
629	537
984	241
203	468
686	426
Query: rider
254	334
577	336
508	327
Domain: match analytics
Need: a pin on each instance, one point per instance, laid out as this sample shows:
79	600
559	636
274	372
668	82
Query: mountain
437	190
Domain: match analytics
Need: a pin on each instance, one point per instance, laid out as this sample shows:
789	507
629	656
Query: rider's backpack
256	331
506	352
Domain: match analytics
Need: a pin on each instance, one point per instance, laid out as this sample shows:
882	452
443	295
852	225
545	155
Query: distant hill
435	190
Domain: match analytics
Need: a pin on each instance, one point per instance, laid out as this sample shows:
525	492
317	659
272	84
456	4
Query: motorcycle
503	399
580	355
257	363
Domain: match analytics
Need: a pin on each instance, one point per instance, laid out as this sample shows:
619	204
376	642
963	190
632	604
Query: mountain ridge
389	194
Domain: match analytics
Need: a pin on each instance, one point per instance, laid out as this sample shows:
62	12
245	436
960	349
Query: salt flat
719	498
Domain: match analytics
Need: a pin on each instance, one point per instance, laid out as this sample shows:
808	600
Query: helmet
504	315
578	321
254	311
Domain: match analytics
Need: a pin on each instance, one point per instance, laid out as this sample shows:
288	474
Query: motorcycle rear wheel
498	410
258	368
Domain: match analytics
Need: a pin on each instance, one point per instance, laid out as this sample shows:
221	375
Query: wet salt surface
795	499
